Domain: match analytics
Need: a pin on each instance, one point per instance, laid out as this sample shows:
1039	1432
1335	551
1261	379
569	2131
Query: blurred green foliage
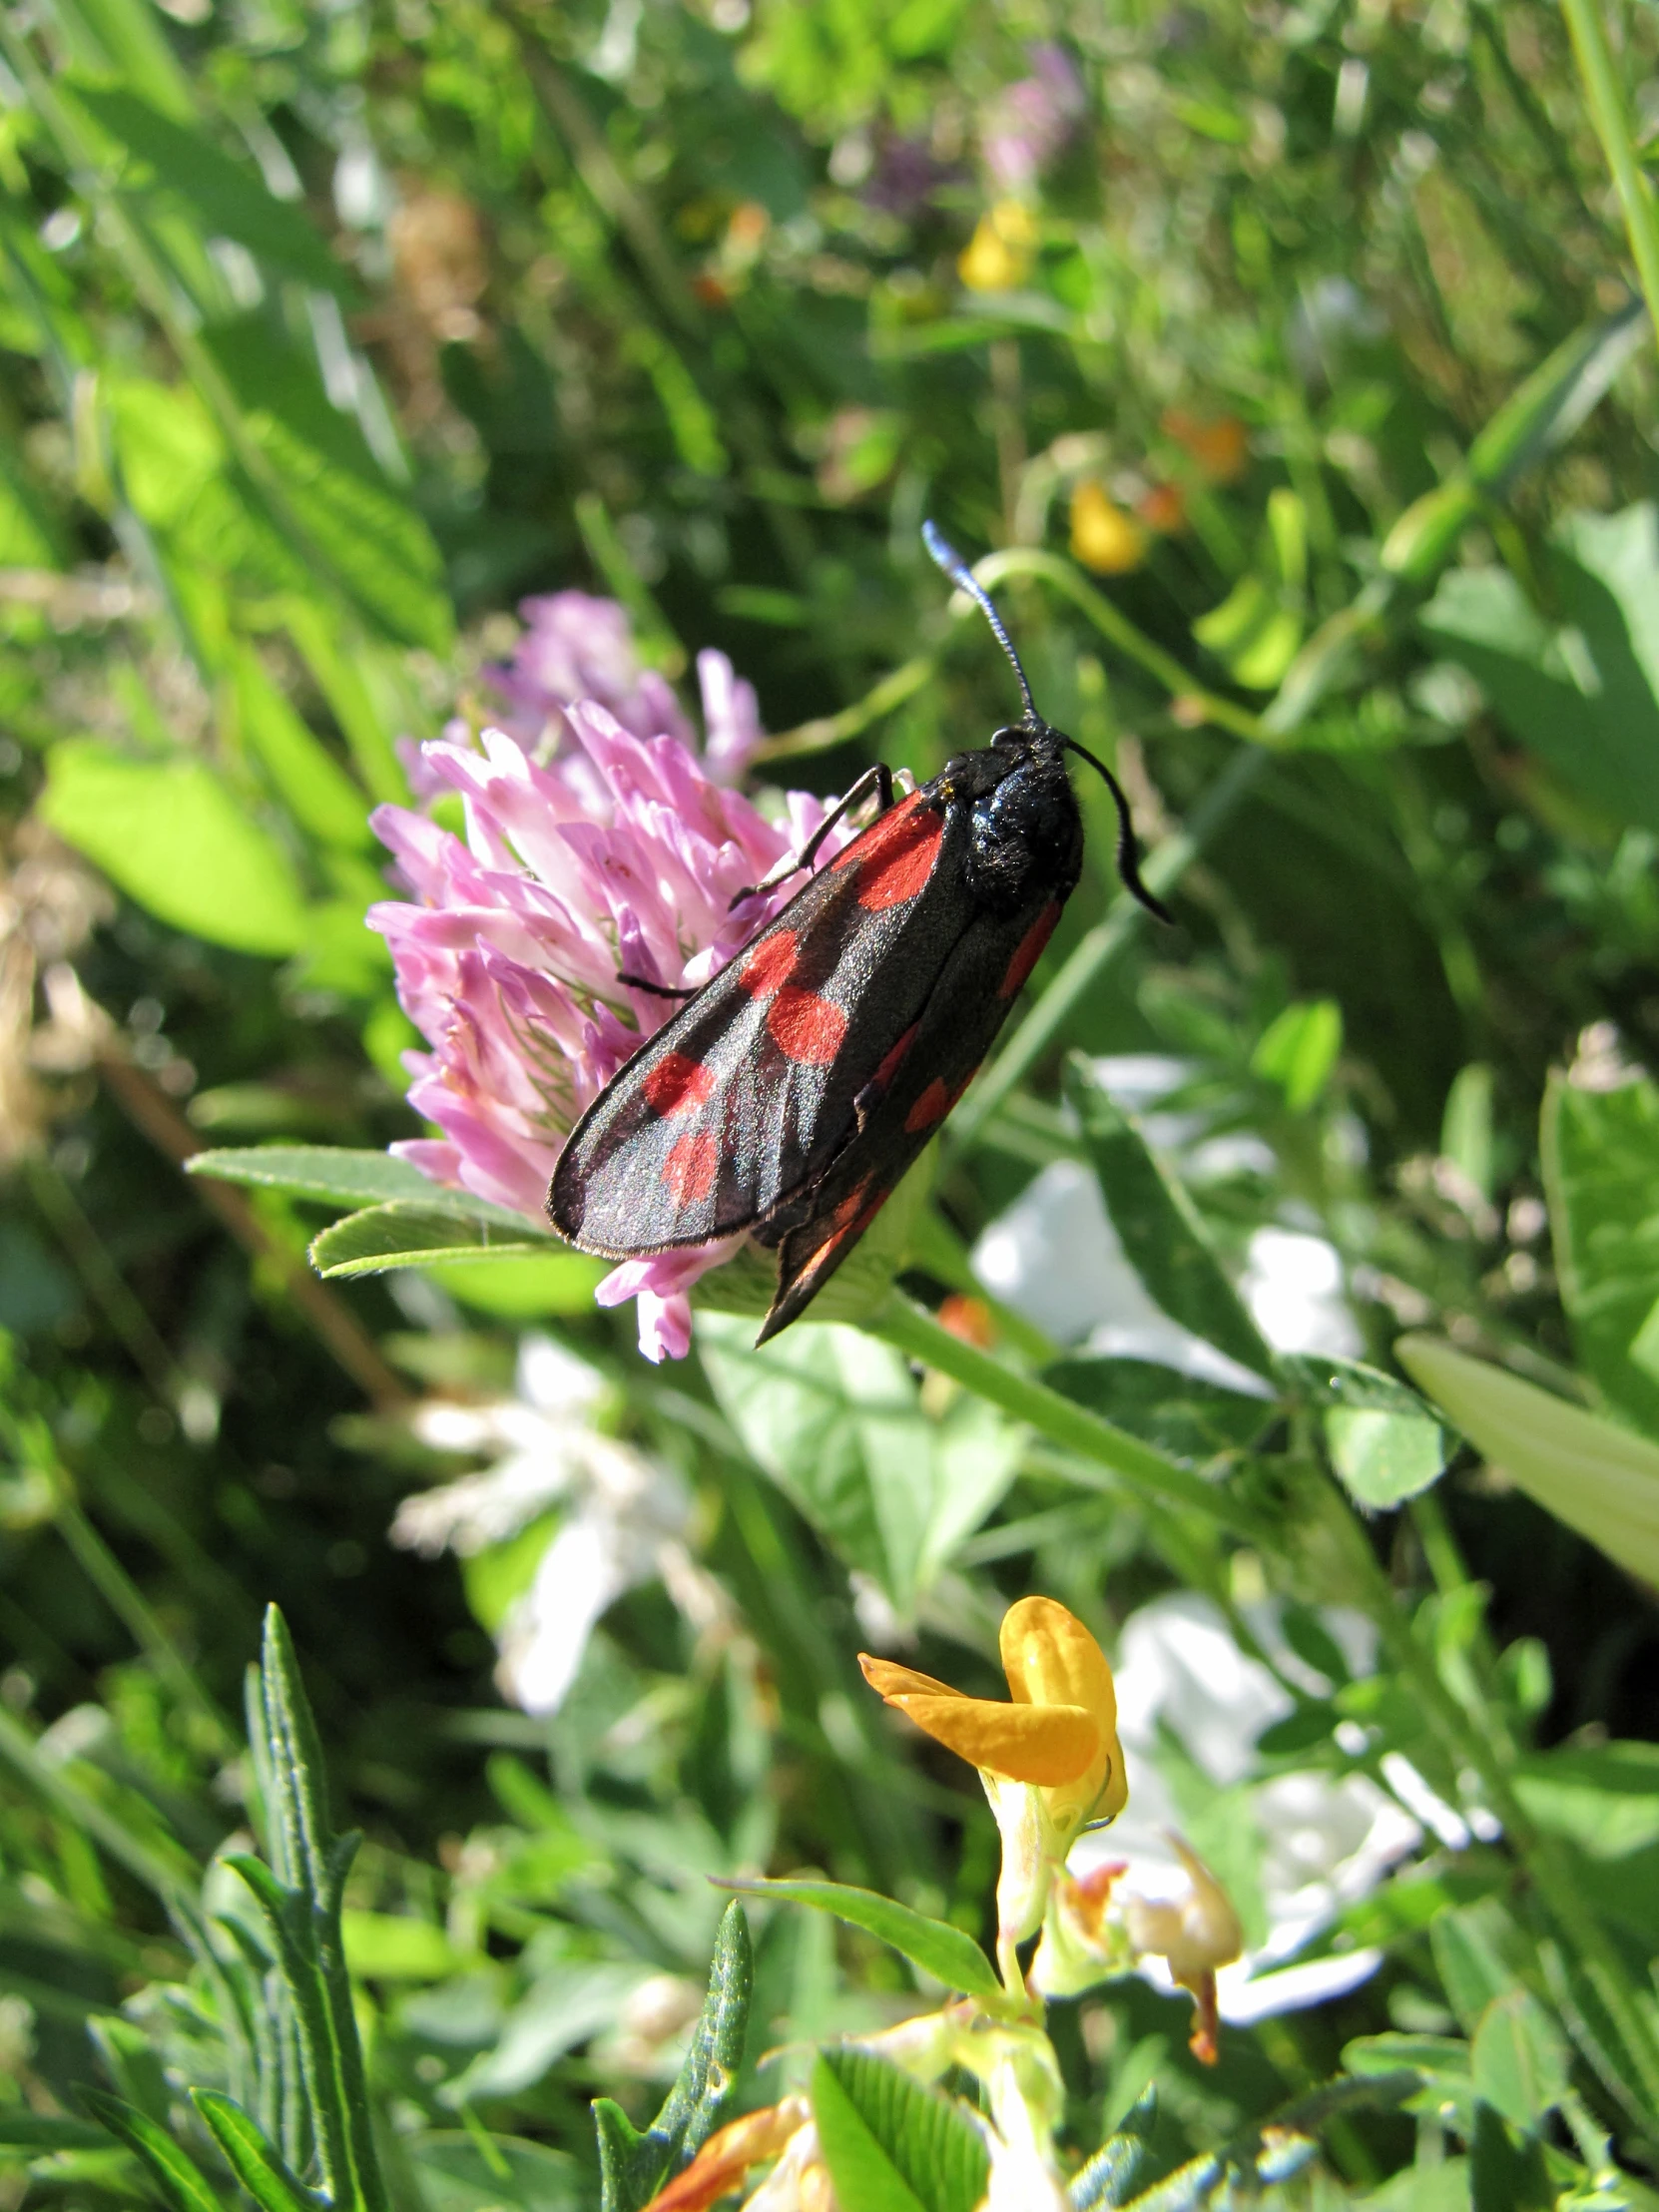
329	331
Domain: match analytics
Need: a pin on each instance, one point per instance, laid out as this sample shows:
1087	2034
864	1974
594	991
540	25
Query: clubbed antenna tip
944	555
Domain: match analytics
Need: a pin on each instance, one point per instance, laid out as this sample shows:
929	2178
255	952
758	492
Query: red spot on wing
805	1027
677	1083
691	1167
902	864
890	1066
846	1212
935	1102
769	966
872	843
845	1225
1029	949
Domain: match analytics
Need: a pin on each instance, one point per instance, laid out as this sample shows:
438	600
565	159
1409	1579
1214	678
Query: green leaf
925	2139
1383	1441
837	1420
1600	1153
1519	2059
1447	2056
1298	1049
492	2173
355	524
1603	1797
302	1898
1161	1233
1507	2175
859	2167
555	1281
1467	1126
947	1953
1594	1477
708	2079
223	198
1547	407
41	2133
1441	2062
1183	1415
633	2165
308	779
175	839
1584	692
564	2006
1479	1953
179	2179
348	1178
395	1947
404	1235
1538	416
256	2164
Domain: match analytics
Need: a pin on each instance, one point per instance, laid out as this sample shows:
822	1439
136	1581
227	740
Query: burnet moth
790	1094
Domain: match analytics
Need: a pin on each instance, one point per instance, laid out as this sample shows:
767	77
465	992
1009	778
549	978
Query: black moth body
789	1095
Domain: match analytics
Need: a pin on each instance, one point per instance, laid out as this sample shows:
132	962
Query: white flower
1292	1285
1056	1257
625	1521
1325	1842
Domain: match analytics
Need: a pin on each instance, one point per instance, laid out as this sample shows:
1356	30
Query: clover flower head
576	647
619	853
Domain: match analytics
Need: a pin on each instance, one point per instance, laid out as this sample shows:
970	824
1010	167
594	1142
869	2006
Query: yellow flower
1049	1761
1103	537
998	256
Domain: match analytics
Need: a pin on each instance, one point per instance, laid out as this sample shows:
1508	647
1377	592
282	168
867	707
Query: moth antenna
1129	852
945	556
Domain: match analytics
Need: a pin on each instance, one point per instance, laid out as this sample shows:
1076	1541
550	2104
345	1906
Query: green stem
1140	1467
133	1609
51	1780
818	736
1119	631
1481	1749
123	1311
1604	97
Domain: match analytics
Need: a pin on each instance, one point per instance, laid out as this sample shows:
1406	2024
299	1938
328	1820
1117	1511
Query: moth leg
658	990
878	779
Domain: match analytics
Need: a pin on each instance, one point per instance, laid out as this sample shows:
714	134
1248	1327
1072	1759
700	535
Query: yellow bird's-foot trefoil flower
1049	1760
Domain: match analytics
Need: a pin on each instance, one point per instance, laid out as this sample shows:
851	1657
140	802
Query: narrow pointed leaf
180	2180
350	1178
256	2164
399	1236
1161	1233
947	1953
1595	1476
633	2165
